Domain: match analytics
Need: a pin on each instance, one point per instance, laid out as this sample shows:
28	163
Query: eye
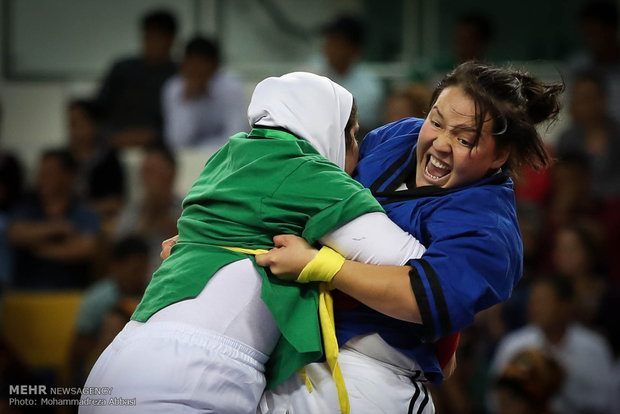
435	124
465	142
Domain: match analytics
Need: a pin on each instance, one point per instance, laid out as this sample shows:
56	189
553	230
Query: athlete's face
353	152
446	156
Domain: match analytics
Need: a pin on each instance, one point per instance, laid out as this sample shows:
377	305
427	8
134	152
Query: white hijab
310	106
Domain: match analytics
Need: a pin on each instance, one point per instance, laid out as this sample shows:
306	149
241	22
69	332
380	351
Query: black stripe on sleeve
424	401
388	173
425	309
440	299
414	399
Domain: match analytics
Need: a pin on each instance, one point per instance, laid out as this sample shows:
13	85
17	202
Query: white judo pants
180	361
374	387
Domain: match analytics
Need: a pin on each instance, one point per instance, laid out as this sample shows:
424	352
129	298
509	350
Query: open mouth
435	169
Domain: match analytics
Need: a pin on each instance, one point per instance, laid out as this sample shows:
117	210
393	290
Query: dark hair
602	11
515	100
161	20
63	155
163	150
129	246
200	46
349	27
534	376
91	108
348	136
480	22
561	286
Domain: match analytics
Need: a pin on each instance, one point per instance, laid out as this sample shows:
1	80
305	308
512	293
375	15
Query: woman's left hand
289	256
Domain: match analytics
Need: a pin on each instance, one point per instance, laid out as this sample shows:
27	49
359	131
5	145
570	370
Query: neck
555	334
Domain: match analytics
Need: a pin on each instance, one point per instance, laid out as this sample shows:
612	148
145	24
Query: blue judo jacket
474	251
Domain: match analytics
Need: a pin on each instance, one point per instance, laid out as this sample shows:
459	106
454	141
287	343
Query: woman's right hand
289	256
166	246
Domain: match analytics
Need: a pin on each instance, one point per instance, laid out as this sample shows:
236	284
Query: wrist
322	268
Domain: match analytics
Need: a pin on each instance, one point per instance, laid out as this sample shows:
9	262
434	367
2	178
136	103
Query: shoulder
406	129
173	86
126	63
590	341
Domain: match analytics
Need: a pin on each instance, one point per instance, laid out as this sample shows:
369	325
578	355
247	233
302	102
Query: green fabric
249	191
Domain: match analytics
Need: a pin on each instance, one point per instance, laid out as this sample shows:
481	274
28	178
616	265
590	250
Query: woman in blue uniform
445	180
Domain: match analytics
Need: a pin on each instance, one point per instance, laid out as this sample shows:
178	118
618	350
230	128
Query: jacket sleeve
472	262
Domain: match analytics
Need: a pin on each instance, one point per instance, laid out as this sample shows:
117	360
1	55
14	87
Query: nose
442	142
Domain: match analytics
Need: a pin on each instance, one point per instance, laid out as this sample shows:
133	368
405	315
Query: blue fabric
37	273
474	256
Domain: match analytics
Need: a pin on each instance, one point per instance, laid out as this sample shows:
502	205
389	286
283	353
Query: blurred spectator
535	256
342	49
55	236
599	29
122	288
576	256
154	216
593	134
410	102
570	196
472	35
583	354
101	177
11	181
11	185
131	92
528	382
202	105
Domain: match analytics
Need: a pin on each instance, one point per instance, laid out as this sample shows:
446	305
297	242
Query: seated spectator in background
11	185
202	105
119	291
406	103
101	177
570	196
593	134
154	216
54	235
472	35
131	91
342	49
583	354
576	256
528	382
599	30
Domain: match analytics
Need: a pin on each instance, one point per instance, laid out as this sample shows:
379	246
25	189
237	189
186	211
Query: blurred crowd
554	347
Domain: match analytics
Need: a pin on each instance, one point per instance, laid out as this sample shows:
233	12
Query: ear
501	156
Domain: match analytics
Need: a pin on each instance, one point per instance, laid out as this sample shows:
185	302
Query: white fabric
374	238
207	120
232	301
165	368
377	376
310	106
584	355
373	388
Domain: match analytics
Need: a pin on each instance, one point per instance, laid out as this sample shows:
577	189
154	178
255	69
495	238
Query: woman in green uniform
213	328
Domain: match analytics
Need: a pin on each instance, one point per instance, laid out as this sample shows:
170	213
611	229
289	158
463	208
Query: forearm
76	248
29	234
384	288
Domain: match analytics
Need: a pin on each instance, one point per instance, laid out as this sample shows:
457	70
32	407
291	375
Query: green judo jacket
257	186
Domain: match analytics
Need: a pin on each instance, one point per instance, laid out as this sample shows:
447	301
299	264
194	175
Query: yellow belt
328	329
